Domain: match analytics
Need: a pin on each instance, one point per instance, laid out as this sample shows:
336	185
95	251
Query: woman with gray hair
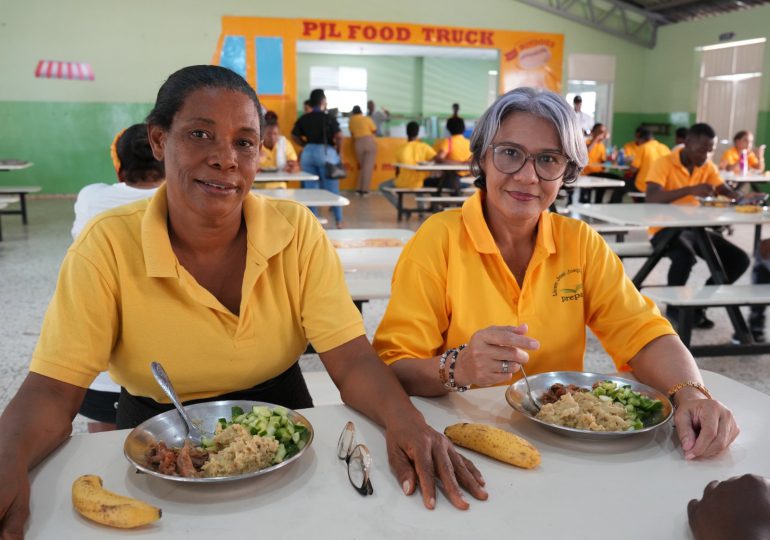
503	282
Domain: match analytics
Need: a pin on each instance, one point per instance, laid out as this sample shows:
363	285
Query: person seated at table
362	129
731	158
679	137
737	508
320	137
413	152
597	156
224	288
629	149
454	150
679	178
139	176
276	152
503	281
648	152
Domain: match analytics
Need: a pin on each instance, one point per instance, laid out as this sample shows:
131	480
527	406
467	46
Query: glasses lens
508	159
550	165
345	443
359	465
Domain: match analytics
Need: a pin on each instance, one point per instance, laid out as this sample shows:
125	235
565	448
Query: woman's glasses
510	158
358	459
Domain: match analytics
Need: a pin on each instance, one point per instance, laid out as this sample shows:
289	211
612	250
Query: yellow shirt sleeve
427	152
620	316
712	175
659	171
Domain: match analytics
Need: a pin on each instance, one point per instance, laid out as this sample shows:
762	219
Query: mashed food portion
583	410
237	451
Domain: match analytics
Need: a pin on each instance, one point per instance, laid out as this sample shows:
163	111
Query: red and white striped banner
51	69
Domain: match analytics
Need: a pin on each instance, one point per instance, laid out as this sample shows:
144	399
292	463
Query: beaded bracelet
442	369
452	386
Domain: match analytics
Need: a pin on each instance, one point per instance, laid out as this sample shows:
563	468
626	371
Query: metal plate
169	428
516	396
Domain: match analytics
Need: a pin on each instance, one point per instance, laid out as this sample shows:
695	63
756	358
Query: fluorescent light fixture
735	77
492	72
731	44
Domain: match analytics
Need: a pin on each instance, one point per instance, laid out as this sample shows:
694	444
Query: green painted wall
625	124
69	143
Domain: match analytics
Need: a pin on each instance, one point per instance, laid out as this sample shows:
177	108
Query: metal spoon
194	433
532	399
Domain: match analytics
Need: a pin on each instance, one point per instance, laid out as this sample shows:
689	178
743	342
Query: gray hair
542	103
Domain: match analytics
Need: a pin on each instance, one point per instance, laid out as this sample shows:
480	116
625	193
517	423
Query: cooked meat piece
184	465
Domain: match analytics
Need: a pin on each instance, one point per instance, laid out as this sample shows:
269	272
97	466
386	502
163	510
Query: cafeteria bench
21	192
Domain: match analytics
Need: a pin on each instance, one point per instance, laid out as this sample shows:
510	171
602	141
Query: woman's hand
419	454
705	426
735	508
493	355
14	500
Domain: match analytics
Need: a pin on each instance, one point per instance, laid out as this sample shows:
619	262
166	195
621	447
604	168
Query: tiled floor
30	257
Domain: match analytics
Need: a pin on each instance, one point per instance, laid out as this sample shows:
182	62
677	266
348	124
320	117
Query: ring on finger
505	366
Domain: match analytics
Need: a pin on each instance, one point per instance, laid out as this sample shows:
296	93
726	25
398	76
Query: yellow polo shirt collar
476	226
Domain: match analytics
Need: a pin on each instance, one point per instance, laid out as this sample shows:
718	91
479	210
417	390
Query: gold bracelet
692	384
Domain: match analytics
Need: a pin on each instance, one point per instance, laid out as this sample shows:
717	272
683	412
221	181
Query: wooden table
308	197
582	489
282	176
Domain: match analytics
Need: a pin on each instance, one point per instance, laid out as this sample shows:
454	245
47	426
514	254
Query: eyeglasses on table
357	458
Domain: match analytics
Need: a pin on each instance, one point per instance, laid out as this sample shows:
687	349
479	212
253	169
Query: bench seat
21	192
631	249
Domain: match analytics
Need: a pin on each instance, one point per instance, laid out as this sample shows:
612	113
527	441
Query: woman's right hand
14	500
483	362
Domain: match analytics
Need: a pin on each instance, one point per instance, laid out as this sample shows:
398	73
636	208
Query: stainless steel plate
169	428
516	396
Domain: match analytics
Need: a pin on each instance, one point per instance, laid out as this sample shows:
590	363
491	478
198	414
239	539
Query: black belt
287	389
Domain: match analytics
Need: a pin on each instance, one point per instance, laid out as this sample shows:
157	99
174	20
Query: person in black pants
679	178
760	274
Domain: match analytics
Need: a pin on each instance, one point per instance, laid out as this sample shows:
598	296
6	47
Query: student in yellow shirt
413	152
679	178
276	153
455	149
679	137
224	288
647	153
362	129
597	155
503	282
743	142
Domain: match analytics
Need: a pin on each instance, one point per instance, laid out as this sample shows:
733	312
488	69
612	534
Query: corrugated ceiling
675	11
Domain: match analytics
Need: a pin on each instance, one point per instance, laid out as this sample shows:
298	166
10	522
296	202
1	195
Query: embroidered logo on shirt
572	288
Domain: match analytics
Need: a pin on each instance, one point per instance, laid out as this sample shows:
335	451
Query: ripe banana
96	503
496	443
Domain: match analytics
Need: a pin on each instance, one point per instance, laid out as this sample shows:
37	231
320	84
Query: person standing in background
321	138
597	155
362	129
743	145
585	120
378	116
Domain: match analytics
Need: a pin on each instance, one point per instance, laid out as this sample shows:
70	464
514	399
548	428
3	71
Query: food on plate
249	442
720	201
94	502
495	443
748	208
368	242
607	406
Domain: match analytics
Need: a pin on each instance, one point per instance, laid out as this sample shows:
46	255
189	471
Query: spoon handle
165	383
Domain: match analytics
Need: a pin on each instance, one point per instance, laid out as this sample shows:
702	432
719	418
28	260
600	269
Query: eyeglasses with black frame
357	458
510	158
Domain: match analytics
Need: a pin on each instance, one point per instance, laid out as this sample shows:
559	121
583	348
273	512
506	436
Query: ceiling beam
619	19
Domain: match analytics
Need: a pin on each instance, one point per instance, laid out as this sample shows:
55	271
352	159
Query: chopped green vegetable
640	408
275	424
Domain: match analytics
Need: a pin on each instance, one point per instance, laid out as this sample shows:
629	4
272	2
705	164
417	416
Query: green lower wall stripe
625	124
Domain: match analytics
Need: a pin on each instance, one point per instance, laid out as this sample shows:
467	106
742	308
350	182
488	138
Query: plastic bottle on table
621	158
743	162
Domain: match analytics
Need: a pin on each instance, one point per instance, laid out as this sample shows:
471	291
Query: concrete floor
30	257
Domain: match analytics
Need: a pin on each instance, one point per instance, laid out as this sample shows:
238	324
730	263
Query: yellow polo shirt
732	156
268	160
412	153
123	300
452	281
629	150
361	126
670	174
597	155
647	154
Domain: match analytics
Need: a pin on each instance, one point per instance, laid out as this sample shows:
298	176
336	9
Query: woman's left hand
705	426
418	453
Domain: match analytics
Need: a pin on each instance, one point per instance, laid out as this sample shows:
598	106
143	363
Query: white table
640	484
14	165
594	182
308	197
433	167
360	259
674	218
751	177
282	176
